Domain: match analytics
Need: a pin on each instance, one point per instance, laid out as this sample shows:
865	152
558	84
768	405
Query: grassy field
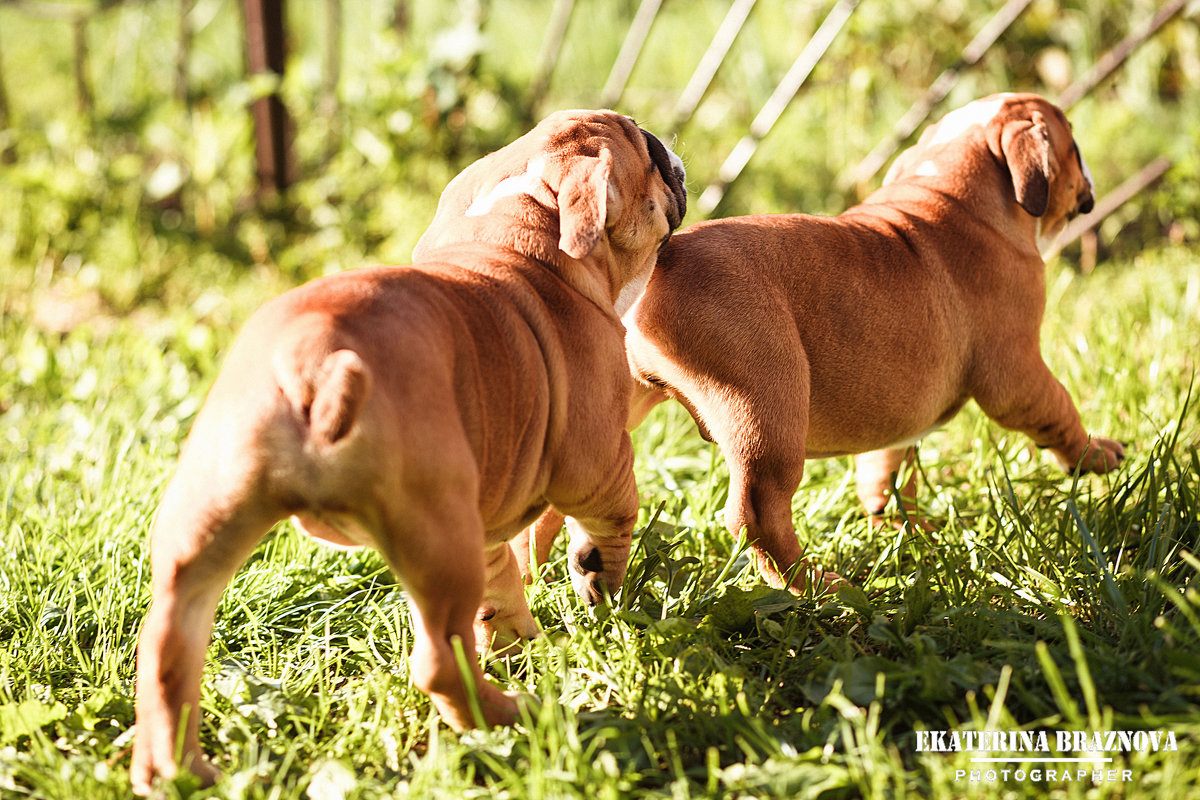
1038	602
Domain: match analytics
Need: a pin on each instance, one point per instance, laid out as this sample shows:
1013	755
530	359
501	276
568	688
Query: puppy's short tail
341	390
330	395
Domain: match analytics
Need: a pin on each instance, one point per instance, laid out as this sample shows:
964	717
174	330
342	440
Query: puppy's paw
149	780
499	708
1101	455
806	579
592	581
500	633
589	587
824	582
528	705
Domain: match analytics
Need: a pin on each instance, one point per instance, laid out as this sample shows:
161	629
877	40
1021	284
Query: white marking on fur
958	122
1047	240
509	187
676	162
1087	174
927	169
631	292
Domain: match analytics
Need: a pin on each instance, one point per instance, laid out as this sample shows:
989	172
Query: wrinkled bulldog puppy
791	336
431	411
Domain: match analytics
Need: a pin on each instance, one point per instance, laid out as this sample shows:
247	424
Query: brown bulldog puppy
431	411
791	336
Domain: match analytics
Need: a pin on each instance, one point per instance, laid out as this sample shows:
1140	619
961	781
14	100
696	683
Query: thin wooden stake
265	45
332	68
402	18
776	104
1110	203
8	150
711	61
556	31
631	48
83	89
4	113
1114	58
331	77
937	91
183	53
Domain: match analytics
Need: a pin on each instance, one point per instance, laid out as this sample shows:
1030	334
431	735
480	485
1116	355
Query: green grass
1038	602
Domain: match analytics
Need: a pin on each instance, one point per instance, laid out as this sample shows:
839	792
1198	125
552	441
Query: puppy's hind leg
874	473
244	467
761	486
435	545
200	536
762	434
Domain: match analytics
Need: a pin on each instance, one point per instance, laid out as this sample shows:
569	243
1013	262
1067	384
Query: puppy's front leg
601	528
1031	400
532	545
504	617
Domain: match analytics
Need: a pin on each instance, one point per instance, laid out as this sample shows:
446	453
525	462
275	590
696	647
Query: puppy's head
1050	180
590	186
1029	139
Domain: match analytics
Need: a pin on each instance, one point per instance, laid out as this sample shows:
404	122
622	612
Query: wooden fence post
402	18
1106	205
266	53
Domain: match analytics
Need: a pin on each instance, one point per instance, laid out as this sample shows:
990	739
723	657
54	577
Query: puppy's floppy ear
583	204
1026	147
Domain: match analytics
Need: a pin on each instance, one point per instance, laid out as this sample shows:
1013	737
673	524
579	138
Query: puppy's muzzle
672	174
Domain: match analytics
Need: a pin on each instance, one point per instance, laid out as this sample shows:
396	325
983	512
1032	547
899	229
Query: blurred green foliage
146	177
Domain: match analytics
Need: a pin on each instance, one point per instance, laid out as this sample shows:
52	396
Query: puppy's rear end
281	433
247	464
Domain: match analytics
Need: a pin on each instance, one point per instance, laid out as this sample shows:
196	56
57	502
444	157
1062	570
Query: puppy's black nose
1086	203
